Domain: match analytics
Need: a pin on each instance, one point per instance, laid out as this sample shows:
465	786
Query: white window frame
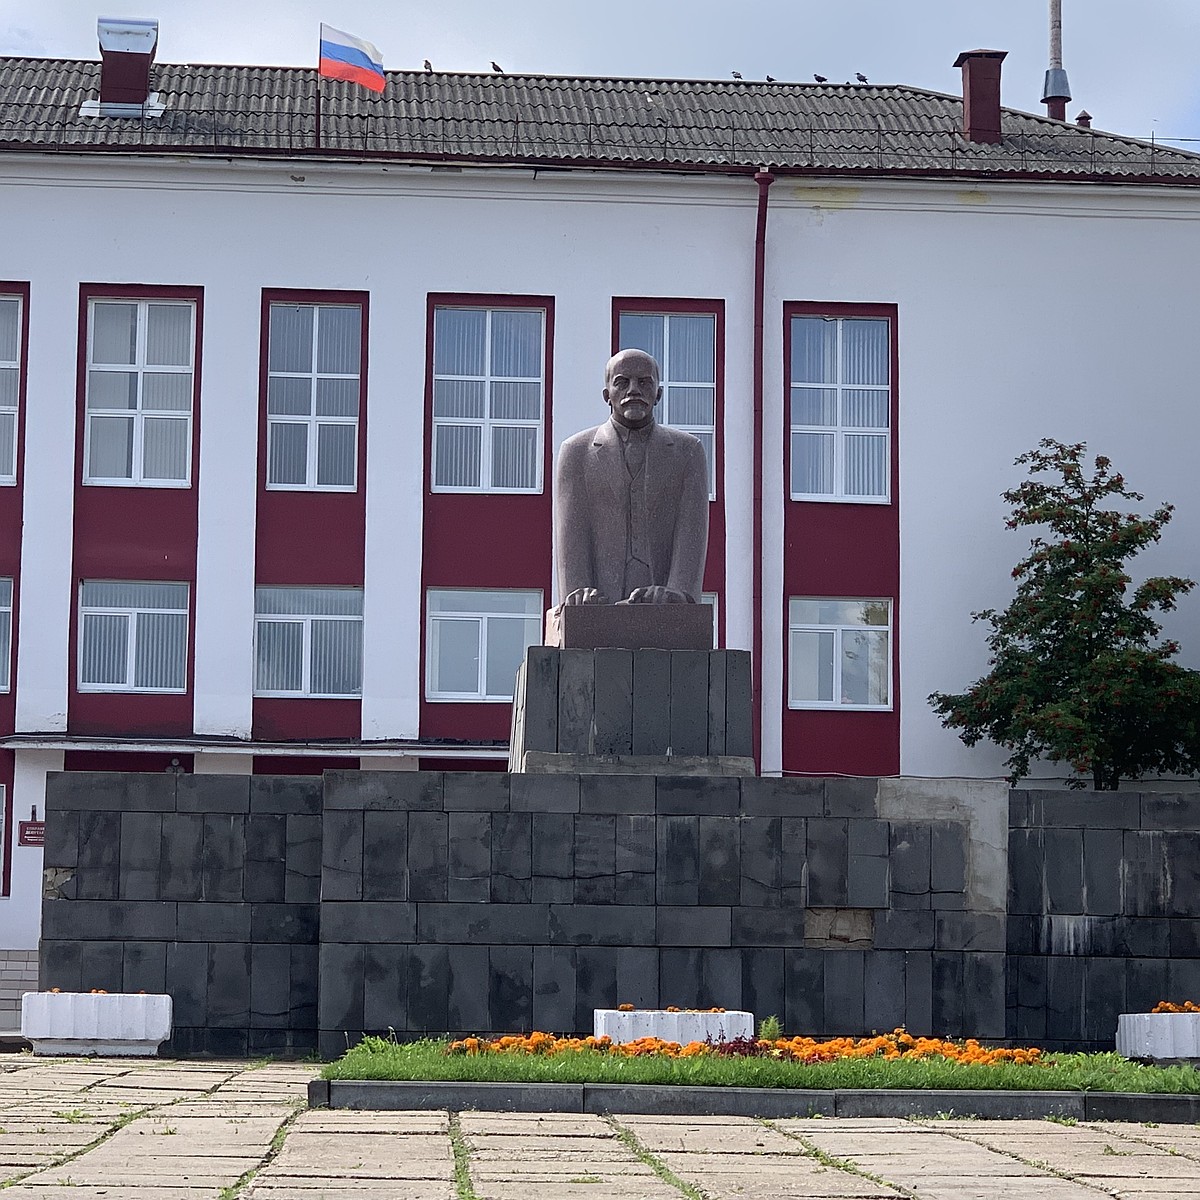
487	423
664	367
138	414
481	615
839	430
305	620
8	471
6	624
131	613
312	421
839	629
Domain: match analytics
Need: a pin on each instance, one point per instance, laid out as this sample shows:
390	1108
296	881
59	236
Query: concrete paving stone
105	1191
534	1124
791	1177
1047	1188
747	1138
321	1189
603	1188
556	1168
547	1144
910	1170
190	1169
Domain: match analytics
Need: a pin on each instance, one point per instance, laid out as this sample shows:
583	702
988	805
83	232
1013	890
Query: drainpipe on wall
764	179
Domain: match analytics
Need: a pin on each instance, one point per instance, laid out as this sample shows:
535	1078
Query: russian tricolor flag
351	59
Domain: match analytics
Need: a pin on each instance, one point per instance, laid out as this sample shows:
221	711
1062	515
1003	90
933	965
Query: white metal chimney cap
128	35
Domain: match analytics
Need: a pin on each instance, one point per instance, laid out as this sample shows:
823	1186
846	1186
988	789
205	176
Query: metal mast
1056	91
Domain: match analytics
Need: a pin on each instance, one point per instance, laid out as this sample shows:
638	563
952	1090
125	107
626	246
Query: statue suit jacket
592	511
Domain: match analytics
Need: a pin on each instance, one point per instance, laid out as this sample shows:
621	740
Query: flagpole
318	112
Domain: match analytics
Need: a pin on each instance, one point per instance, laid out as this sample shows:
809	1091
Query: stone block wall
18	975
1104	911
203	886
493	903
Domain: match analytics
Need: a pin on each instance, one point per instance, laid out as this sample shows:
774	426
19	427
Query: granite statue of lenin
631	510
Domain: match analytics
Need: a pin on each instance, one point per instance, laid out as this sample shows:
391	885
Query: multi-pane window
140	359
6	607
133	636
840	408
488	399
308	641
476	640
839	653
313	388
685	347
10	384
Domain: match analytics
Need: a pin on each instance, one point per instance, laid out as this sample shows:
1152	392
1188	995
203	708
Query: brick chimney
126	51
981	93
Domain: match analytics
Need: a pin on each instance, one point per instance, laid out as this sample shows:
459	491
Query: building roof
538	120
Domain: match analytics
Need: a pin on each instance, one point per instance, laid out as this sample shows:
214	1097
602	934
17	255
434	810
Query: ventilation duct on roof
981	93
127	47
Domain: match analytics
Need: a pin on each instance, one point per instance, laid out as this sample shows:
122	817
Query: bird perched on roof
861	77
737	74
497	67
821	78
770	78
428	65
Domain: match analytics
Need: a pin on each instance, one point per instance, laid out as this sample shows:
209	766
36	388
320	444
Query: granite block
540	715
544	793
97	871
630	626
763	981
553	846
179	864
576	701
475	791
223	859
1168	810
141	837
651	701
302	1002
868	838
680	980
1104	987
187	982
512	847
789	797
213	921
793	860
1185	938
384	855
469	864
720	979
918	992
1182	852
286	795
1066	999
266	857
341	988
554	989
768	926
716	702
678	860
693	925
302	866
144	966
617	794
595	982
595	847
847	797
949	1003
58	964
970	931
844	992
61	848
761	878
510	988
711	796
828	863
1064	870
904	929
867	881
385	987
1146	882
101	964
103	920
428	856
368	921
947	857
637	975
342	856
883	990
228	985
383	791
523	924
1026	871
270	986
1089	810
293	923
1146	983
909	845
689	702
1102	871
614	702
1183	977
125	791
467	996
212	794
634	850
718	854
739	735
804	991
598	925
633	887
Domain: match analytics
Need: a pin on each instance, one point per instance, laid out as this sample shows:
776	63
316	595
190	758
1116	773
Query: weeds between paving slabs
894	1060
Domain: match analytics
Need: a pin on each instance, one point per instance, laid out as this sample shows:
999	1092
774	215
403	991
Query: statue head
632	388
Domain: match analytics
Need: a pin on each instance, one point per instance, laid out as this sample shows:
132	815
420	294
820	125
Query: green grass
379	1058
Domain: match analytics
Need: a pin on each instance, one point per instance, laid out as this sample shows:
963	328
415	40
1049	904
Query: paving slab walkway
160	1130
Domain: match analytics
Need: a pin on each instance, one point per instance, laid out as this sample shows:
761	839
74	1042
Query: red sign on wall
31	833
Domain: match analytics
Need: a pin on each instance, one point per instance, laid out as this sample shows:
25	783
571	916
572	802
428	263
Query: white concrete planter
90	1023
1159	1035
681	1027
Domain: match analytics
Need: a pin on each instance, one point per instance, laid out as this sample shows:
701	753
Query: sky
1133	64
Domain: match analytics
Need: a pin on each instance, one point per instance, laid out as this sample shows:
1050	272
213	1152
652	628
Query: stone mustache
631	507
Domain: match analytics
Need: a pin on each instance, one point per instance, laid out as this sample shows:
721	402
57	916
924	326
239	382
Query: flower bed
97	1022
1169	1033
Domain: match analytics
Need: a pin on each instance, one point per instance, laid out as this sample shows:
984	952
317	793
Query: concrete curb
749	1102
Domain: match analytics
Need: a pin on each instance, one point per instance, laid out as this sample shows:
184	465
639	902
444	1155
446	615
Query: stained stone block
470	857
222	863
101	965
475	791
689	703
1102	870
366	921
342	856
693	925
539	718
904	929
510	988
58	964
467	1001
144	967
102	920
302	1003
795	797
141	835
576	701
761	878
98	867
428	856
270	986
948	857
804	991
527	924
1168	810
1104	986
918	991
385	987
293	923
948	1008
544	793
718	854
110	791
1064	870
297	795
613	674
1145	983
1065	998
828	863
718	702
793	864
595	848
598	925
385	855
266	857
634	845
851	797
341	988
554	988
616	793
302	866
1183	866
678	860
883	990
229	985
511	854
1026	871
768	926
62	839
384	791
212	793
651	701
554	846
181	849
595	982
844	983
633	887
704	796
187	982
762	982
983	995
637	975
213	921
867	882
970	931
680	980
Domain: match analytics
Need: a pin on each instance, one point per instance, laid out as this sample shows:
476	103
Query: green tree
1078	674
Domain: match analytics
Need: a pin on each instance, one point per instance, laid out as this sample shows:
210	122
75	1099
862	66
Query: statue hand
585	595
657	594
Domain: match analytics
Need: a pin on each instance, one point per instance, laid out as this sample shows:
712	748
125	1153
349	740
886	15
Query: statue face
631	388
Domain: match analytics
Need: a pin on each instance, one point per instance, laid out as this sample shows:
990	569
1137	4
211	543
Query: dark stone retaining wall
475	902
1104	911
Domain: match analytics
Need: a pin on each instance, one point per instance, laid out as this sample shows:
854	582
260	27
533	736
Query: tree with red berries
1078	672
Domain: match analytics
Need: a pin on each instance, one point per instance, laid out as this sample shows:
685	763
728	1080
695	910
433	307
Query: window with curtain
840	408
10	384
133	636
476	640
139	392
839	653
6	613
685	347
314	357
488	399
308	641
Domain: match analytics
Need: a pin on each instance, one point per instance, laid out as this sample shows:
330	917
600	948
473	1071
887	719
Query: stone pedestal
630	626
601	710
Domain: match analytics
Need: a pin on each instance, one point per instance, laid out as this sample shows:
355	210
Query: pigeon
821	78
770	78
497	67
861	77
737	74
428	65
